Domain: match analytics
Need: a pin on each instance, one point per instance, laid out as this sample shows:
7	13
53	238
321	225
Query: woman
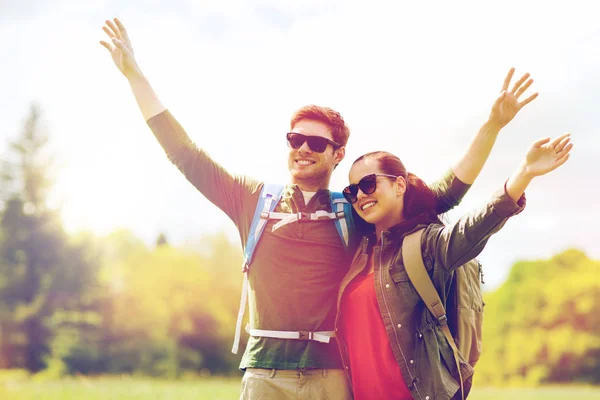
390	345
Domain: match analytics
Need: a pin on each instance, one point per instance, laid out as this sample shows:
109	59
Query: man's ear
339	154
401	181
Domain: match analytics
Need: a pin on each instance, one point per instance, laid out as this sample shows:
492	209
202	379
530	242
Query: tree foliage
543	324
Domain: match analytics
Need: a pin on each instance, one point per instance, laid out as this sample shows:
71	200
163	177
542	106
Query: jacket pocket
404	287
399	275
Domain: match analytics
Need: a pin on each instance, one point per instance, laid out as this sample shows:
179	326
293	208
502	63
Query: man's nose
304	148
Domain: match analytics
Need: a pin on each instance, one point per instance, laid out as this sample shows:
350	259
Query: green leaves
543	324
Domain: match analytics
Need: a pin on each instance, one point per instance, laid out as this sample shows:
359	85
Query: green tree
161	240
543	324
41	272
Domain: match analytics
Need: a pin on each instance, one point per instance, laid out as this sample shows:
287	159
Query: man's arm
233	194
121	52
452	187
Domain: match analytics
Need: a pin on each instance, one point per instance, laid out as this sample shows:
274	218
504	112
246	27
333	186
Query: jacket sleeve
233	194
449	191
451	246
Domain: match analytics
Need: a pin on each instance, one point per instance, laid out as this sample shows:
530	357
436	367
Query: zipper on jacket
480	271
387	309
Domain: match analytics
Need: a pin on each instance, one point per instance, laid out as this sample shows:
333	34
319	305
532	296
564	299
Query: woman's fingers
519	83
562	143
528	100
523	88
508	79
499	100
557	140
564	151
561	161
540	142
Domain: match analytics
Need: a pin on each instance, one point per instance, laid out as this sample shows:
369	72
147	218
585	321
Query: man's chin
304	174
309	177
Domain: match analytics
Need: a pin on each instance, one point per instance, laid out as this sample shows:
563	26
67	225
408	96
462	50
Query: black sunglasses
316	143
367	185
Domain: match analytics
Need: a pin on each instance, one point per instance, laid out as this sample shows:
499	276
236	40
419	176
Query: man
297	268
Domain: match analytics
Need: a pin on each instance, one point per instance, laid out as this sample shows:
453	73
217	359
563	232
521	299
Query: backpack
462	325
269	198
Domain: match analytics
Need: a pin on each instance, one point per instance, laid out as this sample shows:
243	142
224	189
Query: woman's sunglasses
317	144
367	185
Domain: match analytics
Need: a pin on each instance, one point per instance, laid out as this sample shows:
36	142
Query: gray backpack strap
417	273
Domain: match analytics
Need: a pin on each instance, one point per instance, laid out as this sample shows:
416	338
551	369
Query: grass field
219	389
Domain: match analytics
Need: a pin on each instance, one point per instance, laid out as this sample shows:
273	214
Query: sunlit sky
414	78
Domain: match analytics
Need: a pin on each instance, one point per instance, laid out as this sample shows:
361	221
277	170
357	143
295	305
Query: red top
374	370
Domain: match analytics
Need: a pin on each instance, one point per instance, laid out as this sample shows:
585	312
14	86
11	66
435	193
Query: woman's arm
453	186
452	246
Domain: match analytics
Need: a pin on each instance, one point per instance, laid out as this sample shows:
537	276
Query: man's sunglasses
367	185
316	143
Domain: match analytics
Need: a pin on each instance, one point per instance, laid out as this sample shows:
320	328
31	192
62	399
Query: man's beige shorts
313	384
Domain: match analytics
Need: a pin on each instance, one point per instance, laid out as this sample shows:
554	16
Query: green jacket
419	346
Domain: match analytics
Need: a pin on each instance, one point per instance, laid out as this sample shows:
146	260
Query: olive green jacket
419	346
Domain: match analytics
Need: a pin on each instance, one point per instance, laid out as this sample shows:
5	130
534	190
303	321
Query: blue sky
414	79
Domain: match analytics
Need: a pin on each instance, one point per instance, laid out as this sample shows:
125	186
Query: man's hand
121	50
508	105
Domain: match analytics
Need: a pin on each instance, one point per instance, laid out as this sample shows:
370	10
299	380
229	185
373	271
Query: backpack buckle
443	320
305	335
303	216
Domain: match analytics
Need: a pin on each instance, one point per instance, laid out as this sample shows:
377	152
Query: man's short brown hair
339	131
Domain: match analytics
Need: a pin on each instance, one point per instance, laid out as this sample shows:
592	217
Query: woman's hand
543	156
507	105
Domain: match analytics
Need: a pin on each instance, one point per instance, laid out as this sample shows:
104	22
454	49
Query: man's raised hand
120	49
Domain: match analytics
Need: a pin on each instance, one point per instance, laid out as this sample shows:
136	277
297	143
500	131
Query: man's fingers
108	32
122	29
528	100
114	28
508	79
519	83
523	88
120	45
108	46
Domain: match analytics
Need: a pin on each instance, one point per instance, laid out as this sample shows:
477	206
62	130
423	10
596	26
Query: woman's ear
401	184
